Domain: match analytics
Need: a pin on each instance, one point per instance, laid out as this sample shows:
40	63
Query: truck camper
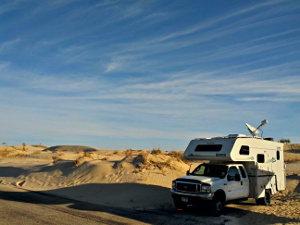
239	167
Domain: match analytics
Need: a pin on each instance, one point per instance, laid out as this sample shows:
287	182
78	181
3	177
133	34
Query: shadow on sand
161	214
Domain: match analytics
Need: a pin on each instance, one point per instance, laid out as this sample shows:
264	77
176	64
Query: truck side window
242	171
244	150
260	158
233	174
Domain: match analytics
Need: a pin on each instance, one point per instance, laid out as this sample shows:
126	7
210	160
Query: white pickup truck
239	167
215	182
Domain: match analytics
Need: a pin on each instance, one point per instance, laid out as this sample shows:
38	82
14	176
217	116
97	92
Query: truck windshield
209	170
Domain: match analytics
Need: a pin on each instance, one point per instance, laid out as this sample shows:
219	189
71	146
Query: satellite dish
254	131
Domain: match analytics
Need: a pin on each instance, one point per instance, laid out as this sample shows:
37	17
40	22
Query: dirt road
23	207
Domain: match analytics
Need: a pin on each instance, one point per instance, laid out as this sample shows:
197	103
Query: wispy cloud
143	70
5	46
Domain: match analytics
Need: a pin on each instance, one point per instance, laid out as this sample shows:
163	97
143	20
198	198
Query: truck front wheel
218	203
179	204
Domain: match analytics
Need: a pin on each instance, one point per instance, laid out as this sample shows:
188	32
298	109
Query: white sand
131	179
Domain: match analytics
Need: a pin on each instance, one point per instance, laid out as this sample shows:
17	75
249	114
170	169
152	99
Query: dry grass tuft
128	152
88	154
156	152
141	161
4	154
78	161
176	156
179	157
56	159
21	155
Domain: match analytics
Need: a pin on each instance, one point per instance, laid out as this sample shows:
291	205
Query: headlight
174	184
206	188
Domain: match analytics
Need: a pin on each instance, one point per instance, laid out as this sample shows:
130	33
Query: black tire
178	203
218	204
266	200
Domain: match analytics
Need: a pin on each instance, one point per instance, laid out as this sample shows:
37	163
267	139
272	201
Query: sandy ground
132	179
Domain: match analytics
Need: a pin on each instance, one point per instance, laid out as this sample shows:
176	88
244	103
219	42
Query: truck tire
218	204
179	204
266	200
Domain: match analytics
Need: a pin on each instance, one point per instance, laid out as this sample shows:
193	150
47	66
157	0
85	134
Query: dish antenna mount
254	131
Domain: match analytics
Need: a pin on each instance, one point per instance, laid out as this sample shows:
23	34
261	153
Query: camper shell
261	157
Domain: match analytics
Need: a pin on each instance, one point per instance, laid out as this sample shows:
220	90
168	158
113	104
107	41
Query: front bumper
202	196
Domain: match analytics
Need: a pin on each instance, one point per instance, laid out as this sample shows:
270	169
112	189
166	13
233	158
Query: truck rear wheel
266	200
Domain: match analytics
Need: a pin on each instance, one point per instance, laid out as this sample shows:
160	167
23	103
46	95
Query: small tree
285	141
4	143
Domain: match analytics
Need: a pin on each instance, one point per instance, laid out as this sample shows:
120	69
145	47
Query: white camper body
262	159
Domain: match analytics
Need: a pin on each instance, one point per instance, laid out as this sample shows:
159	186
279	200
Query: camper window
244	150
208	148
260	158
278	155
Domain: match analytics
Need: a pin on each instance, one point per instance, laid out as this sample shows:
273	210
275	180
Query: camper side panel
267	171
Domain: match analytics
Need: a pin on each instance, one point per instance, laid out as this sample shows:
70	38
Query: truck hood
203	179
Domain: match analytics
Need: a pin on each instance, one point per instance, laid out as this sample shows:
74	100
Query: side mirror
187	172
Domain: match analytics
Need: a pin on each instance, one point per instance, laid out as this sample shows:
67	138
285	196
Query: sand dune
131	179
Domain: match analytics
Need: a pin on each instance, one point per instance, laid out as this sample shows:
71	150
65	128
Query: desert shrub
143	158
56	158
88	154
21	155
4	154
24	146
104	159
156	151
141	161
285	141
162	166
78	161
118	165
176	156
61	154
128	152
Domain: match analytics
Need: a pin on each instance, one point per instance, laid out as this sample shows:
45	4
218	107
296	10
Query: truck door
244	191
233	183
237	183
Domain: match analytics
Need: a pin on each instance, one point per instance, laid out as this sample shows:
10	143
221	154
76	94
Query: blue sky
147	74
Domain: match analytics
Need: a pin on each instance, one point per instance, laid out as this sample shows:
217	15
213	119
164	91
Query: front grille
188	187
